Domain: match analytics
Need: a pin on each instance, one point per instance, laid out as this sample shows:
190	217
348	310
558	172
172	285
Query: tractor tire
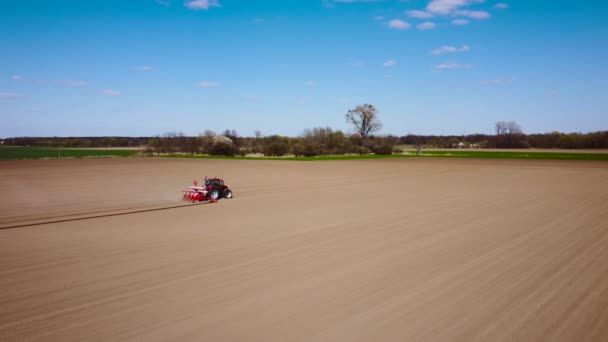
227	194
213	194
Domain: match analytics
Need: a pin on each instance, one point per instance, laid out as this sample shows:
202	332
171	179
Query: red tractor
212	190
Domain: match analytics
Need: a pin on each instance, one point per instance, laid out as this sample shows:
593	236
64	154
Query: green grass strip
13	153
430	154
524	154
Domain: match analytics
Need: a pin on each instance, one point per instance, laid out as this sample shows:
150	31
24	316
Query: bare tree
514	128
509	135
257	133
231	133
364	119
500	127
507	127
208	134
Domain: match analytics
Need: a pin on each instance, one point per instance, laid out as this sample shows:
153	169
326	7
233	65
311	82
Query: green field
524	154
435	154
12	153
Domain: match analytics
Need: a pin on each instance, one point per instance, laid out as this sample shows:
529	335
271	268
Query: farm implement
212	190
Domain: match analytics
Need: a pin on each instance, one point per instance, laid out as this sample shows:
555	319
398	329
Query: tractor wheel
227	193
214	194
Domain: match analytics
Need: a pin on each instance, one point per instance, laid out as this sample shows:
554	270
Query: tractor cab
214	182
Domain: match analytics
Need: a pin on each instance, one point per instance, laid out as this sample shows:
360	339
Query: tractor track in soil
333	183
92	215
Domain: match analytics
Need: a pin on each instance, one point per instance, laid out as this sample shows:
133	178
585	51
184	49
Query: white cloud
110	92
502	5
398	24
163	3
498	81
201	4
390	63
451	66
20	78
207	84
460	22
419	14
144	68
450	8
473	14
258	20
445	7
450	49
427	25
9	96
388	76
73	83
310	83
378	18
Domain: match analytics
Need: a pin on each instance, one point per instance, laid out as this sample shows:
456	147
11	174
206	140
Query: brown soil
377	250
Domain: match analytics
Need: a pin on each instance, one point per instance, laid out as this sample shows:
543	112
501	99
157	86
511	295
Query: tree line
593	140
313	142
327	141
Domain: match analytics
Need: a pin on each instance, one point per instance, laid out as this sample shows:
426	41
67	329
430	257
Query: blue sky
145	67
